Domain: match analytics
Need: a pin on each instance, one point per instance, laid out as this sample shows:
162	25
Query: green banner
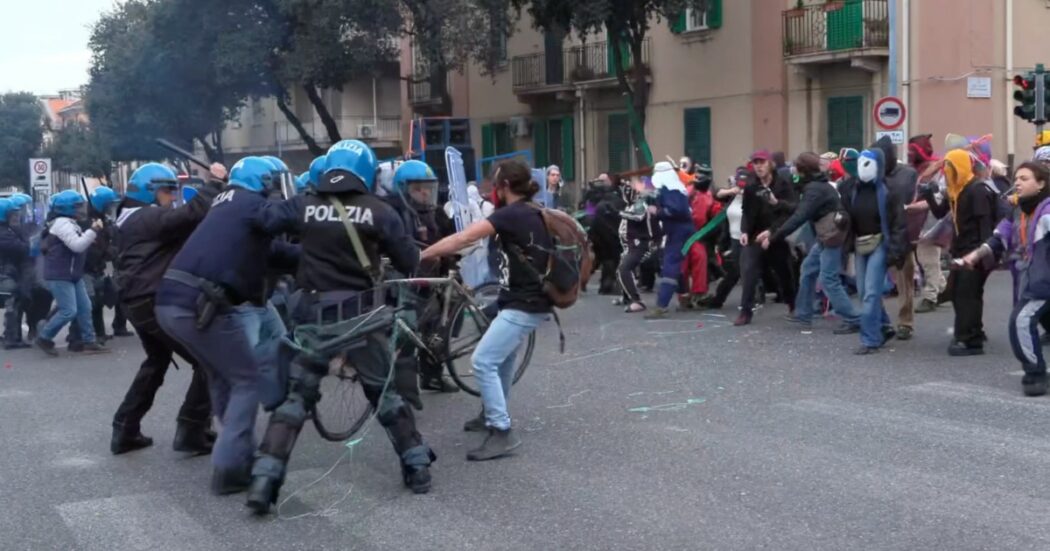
703	231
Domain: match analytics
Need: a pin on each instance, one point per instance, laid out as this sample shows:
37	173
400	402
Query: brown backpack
569	262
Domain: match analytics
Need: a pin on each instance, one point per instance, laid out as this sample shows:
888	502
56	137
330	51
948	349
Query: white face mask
867	168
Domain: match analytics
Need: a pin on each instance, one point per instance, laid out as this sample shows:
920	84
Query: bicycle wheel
466	330
343	407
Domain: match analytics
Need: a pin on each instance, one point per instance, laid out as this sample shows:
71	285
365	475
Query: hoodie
973	208
890	209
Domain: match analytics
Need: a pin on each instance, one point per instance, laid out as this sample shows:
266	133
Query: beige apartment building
746	74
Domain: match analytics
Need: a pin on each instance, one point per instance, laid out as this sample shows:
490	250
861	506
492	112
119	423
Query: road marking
12	393
977	393
142	522
953	433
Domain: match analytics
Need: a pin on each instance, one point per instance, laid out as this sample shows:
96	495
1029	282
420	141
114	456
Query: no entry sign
889	113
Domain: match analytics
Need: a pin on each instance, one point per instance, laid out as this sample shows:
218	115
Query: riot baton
183	153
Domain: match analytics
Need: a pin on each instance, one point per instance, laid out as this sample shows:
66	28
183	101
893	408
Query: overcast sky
43	44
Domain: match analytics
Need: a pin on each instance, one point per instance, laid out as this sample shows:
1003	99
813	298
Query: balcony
383	130
587	66
425	96
857	31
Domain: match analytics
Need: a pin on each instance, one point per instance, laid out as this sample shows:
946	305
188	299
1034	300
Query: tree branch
329	123
282	105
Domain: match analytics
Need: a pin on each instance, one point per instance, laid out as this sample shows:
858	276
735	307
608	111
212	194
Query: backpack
569	261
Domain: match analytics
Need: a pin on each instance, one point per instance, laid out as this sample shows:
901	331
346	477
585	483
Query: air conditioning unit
366	130
519	126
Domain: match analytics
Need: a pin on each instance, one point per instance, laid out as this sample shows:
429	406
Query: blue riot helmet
416	181
349	158
147	179
103	199
253	174
277	163
65	203
317	170
20	199
302	182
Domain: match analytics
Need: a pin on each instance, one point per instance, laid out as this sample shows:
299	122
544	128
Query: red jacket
704	207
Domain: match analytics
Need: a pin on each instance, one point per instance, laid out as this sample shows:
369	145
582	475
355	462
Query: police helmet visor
287	187
423	193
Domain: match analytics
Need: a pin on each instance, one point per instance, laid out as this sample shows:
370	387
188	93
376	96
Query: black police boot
122	333
230	481
261	494
192	439
497	444
439	383
417	477
125	441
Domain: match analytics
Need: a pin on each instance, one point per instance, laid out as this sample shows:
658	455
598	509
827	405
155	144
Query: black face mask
702	184
1029	204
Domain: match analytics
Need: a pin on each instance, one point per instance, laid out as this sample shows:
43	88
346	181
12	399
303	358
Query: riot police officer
14	253
344	228
212	299
149	234
416	188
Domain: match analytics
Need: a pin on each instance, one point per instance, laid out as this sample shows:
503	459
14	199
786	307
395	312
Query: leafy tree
21	133
78	148
627	23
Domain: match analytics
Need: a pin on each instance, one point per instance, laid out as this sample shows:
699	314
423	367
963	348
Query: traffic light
1025	96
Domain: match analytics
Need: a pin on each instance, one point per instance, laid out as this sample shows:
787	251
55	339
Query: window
698	134
620	149
698	19
496	139
554	143
500	47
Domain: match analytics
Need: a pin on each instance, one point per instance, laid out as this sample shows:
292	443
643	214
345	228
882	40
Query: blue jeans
494	361
265	330
225	351
73	303
871	277
825	262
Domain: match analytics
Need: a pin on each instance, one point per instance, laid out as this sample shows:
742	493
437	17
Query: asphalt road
679	434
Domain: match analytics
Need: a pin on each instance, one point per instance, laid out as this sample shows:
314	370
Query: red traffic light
1020	80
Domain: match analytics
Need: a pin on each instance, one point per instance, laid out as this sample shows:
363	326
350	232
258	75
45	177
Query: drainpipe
1011	122
906	71
581	170
891	84
375	108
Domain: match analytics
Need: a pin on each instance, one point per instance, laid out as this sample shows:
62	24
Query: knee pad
291	412
418	456
391	407
269	466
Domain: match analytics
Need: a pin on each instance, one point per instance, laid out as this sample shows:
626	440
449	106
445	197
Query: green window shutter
540	142
846	26
678	23
625	53
698	134
568	146
845	122
714	14
619	144
488	145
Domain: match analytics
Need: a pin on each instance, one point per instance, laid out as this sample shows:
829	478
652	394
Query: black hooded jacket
819	198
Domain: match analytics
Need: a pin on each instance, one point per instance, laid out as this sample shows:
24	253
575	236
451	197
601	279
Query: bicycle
464	316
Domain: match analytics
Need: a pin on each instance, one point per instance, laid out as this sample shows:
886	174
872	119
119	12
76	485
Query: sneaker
962	349
498	443
48	346
657	313
806	324
92	348
847	329
1033	384
888	333
904	333
440	383
124	442
865	350
926	306
476	424
743	319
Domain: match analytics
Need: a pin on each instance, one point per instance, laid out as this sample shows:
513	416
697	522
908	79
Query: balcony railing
584	63
383	129
420	90
836	27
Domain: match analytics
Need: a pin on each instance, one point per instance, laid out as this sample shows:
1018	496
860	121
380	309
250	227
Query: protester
768	201
901	180
879	241
1021	239
524	241
820	206
65	250
973	207
703	207
672	210
554	185
729	248
928	254
637	230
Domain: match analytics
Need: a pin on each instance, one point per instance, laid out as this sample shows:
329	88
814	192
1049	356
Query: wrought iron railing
587	62
836	26
363	127
420	89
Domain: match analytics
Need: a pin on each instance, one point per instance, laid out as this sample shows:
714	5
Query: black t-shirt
865	211
520	231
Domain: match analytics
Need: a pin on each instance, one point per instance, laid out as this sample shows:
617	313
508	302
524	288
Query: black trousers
38	308
731	267
967	292
13	318
754	260
159	348
630	262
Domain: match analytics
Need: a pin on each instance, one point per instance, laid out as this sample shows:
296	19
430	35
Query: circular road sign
889	113
40	167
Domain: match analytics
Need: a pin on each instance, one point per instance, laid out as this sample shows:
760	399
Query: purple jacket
1029	265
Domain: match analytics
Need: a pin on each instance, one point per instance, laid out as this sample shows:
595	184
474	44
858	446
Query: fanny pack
866	244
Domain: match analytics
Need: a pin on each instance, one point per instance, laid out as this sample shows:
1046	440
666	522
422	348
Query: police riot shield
287	185
474	267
